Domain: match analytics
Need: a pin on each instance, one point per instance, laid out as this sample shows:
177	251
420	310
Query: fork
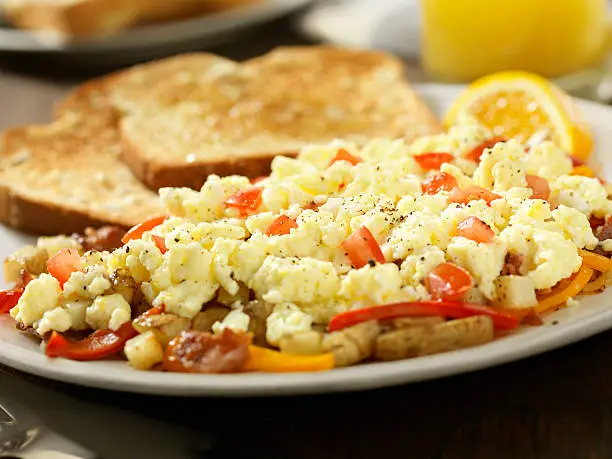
24	436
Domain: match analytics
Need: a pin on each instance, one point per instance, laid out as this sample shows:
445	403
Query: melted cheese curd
214	254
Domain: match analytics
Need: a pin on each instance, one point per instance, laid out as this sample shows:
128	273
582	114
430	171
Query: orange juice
466	39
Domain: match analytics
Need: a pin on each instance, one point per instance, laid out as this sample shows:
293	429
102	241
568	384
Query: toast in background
88	18
234	118
65	176
73	18
177	120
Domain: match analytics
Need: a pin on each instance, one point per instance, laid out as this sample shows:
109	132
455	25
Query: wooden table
557	405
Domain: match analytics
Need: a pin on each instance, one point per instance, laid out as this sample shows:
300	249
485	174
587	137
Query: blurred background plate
389	25
150	41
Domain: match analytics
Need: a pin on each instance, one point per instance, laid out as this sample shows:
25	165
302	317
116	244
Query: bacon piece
513	264
200	352
105	238
605	231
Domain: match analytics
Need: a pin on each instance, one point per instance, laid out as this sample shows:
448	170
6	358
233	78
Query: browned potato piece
353	344
29	259
515	291
400	344
405	322
258	311
457	334
203	321
442	337
227	299
165	326
124	284
475	296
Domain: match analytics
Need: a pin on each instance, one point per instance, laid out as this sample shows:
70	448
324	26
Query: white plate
199	32
593	315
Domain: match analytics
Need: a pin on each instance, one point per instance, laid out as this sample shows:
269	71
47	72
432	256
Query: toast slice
87	18
73	18
233	119
65	176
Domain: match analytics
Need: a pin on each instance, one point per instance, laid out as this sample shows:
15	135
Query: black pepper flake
555	322
372	263
176	239
127	249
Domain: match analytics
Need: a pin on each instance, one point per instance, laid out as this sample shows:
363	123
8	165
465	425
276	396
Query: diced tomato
281	226
258	179
98	345
539	185
475	229
160	242
343	155
448	282
433	161
451	309
137	231
246	201
362	248
439	182
9	299
477	152
471	194
63	264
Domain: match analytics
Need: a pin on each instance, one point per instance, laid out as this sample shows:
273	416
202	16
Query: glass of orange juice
466	39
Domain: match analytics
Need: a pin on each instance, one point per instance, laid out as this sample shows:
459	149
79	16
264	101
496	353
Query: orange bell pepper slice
268	360
560	296
595	261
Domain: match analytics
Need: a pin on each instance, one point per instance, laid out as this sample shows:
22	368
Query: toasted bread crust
45	219
201	115
193	175
110	137
65	176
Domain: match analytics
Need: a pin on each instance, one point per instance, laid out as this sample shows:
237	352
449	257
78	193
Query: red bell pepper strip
450	309
9	299
98	345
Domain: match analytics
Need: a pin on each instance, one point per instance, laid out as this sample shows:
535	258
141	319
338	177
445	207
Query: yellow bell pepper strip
559	297
595	261
268	360
583	170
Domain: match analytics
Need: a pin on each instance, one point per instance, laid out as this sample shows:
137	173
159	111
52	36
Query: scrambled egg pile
214	253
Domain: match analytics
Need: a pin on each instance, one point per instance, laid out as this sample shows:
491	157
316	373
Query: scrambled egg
213	251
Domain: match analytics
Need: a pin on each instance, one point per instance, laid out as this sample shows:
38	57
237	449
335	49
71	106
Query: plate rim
206	27
369	376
